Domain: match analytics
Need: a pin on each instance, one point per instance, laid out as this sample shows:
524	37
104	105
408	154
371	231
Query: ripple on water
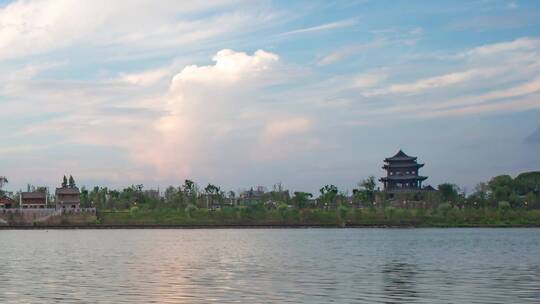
271	266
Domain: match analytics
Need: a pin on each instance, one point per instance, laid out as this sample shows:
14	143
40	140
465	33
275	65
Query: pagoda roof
429	188
402	165
400	156
403	177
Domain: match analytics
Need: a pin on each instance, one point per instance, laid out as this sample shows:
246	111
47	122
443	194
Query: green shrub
504	205
444	208
190	210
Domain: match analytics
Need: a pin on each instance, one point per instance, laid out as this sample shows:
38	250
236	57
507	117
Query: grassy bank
313	217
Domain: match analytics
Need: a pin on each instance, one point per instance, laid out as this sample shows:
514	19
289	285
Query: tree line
501	191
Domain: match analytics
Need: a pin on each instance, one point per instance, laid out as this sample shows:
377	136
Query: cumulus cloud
210	106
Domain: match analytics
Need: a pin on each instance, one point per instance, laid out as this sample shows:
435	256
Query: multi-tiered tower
402	173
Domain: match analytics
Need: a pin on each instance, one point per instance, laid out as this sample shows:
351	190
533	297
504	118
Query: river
270	266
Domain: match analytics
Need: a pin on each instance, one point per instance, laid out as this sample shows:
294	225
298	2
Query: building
68	198
6	202
33	200
402	174
253	195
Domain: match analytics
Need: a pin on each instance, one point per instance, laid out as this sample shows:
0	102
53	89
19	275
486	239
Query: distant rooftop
400	156
67	190
34	194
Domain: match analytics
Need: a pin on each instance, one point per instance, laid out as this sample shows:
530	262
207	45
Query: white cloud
368	80
524	43
210	106
439	81
324	27
512	105
493	78
145	78
522	89
36	27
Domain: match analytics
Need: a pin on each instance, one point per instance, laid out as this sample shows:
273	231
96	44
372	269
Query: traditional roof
67	191
400	156
403	178
6	200
429	188
402	165
33	195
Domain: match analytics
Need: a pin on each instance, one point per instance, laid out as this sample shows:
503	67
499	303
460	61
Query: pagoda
402	174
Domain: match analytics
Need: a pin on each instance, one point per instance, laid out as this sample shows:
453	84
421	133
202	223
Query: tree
301	199
369	183
232	197
84	197
530	200
212	194
448	192
3	181
279	194
365	193
171	195
64	182
481	191
527	182
72	182
328	195
190	191
501	187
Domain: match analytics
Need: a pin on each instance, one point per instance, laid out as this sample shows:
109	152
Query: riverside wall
46	217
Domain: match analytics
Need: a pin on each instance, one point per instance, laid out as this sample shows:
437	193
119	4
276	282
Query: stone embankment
46	217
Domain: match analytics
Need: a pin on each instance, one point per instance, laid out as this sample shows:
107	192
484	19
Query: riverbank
133	227
389	217
307	218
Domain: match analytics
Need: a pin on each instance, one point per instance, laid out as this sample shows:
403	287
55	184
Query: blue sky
245	93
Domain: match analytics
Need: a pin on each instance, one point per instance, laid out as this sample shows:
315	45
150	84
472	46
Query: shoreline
133	227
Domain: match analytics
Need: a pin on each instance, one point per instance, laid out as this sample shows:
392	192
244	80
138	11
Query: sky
246	93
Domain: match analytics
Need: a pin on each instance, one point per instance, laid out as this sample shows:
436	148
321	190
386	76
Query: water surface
271	266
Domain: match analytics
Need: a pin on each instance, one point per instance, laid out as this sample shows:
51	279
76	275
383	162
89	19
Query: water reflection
271	266
399	280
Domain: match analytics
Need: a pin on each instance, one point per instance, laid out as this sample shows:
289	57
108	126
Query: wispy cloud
521	104
324	27
525	43
37	27
383	38
345	52
439	81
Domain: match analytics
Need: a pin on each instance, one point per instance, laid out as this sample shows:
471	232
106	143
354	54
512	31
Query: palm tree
3	181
